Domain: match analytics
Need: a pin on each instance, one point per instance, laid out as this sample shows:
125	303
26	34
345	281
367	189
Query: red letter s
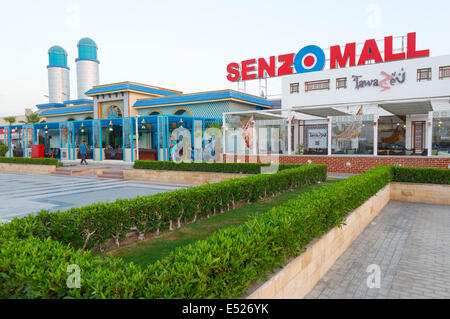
233	72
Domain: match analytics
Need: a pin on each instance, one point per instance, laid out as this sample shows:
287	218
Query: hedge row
421	175
244	168
92	225
221	266
26	160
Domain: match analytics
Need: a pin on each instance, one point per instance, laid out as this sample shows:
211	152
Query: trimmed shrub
221	266
92	225
3	149
427	175
26	160
244	168
34	268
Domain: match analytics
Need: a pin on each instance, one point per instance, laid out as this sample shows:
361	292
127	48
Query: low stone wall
421	193
27	168
177	177
299	276
349	164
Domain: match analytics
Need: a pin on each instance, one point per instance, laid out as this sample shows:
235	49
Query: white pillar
375	134
224	133
289	134
255	147
329	134
429	132
137	138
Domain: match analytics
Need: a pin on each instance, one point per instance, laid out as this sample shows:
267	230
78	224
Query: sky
186	45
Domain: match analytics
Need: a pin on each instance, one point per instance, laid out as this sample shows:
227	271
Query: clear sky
186	45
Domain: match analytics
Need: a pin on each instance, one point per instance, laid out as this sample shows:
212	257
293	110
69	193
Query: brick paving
409	242
22	194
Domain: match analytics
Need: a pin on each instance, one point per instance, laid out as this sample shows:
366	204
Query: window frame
311	83
292	86
338	80
443	70
423	70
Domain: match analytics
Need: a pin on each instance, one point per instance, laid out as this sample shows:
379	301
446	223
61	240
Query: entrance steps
62	171
111	174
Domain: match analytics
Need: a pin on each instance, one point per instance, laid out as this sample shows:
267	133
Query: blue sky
187	45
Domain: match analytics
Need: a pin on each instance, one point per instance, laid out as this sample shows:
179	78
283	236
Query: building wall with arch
66	117
205	109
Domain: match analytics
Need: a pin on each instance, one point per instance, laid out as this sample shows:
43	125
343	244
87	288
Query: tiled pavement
21	194
411	245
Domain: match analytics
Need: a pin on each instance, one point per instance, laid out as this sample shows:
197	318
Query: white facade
58	84
87	76
410	89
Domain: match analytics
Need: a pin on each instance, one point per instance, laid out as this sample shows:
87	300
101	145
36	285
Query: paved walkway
411	245
21	194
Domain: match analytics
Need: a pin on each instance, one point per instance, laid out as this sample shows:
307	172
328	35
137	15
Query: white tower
58	75
87	66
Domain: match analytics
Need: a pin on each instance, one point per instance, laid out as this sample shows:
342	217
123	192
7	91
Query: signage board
311	58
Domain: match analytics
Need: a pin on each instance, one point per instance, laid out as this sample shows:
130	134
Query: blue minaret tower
58	75
87	66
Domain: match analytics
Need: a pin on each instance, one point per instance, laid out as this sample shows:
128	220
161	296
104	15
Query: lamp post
45	137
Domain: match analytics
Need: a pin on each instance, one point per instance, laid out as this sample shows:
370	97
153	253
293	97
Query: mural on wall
112	110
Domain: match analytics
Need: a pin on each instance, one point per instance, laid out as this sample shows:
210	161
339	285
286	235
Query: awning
321	111
406	108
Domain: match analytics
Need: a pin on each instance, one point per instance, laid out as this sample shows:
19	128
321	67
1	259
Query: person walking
83	153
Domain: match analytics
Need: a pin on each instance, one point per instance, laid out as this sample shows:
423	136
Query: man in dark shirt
83	153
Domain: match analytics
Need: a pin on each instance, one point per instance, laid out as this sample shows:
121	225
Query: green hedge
221	266
92	225
244	168
3	149
26	160
426	175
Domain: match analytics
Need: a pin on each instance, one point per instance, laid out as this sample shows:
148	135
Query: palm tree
31	118
10	119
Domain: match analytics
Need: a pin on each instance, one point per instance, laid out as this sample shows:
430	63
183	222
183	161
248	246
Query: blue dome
57	57
87	50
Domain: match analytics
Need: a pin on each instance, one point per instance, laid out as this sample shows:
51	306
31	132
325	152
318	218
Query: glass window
391	135
341	83
441	133
294	88
317	85
444	72
314	137
424	74
352	134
